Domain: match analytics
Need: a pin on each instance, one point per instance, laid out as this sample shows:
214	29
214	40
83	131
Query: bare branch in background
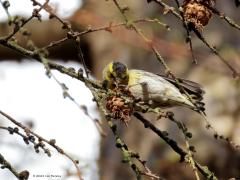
117	105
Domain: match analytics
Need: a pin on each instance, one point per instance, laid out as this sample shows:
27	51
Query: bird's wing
192	88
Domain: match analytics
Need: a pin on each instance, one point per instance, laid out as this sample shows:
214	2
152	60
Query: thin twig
203	39
5	6
5	164
222	16
109	27
132	25
18	28
189	39
173	144
187	135
50	142
70	33
128	155
199	35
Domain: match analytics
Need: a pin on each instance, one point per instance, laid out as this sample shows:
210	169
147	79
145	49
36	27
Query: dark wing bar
192	88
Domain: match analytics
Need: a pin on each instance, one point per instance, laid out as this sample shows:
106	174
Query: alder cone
119	109
198	13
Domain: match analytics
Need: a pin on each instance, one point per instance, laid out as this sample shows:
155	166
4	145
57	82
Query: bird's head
115	73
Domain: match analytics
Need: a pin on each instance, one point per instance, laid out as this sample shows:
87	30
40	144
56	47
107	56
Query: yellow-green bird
155	90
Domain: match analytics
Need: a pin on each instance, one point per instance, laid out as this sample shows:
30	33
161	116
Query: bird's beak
118	80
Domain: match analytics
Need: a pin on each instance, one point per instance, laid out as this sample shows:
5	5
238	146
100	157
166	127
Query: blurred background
222	96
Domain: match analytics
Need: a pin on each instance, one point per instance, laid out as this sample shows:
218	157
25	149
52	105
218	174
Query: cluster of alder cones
118	107
198	12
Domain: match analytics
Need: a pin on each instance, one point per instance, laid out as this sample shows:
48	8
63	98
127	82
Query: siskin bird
155	90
